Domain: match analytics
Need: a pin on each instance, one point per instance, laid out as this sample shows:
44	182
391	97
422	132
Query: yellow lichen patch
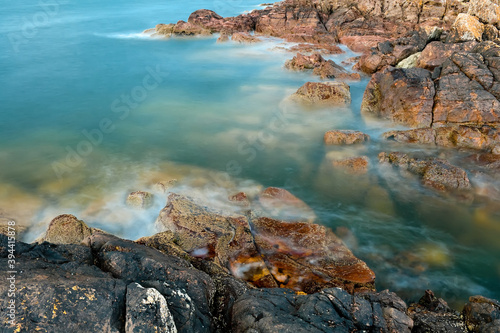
91	297
300	293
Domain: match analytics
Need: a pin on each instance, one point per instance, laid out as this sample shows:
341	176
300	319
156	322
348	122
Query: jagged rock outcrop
432	314
331	310
403	95
462	94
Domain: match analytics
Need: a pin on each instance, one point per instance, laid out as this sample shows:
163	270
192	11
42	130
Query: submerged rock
281	204
352	165
345	137
435	173
321	67
140	199
323	94
480	138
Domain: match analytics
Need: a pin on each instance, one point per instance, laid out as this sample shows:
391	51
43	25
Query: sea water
92	109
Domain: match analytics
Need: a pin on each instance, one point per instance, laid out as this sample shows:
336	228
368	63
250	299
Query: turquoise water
92	109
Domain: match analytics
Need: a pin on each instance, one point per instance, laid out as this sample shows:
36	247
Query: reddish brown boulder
207	19
323	94
362	44
303	62
345	137
435	53
403	95
67	229
308	257
465	92
390	53
290	19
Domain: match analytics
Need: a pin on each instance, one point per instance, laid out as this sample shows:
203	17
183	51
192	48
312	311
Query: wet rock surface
326	69
264	251
345	137
323	94
67	229
480	138
434	172
140	199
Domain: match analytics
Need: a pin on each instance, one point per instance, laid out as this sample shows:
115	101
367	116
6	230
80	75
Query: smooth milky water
92	109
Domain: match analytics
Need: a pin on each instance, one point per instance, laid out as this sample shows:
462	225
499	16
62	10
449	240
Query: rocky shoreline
209	272
434	67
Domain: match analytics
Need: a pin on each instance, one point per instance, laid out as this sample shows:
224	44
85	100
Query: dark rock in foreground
331	310
432	314
115	285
